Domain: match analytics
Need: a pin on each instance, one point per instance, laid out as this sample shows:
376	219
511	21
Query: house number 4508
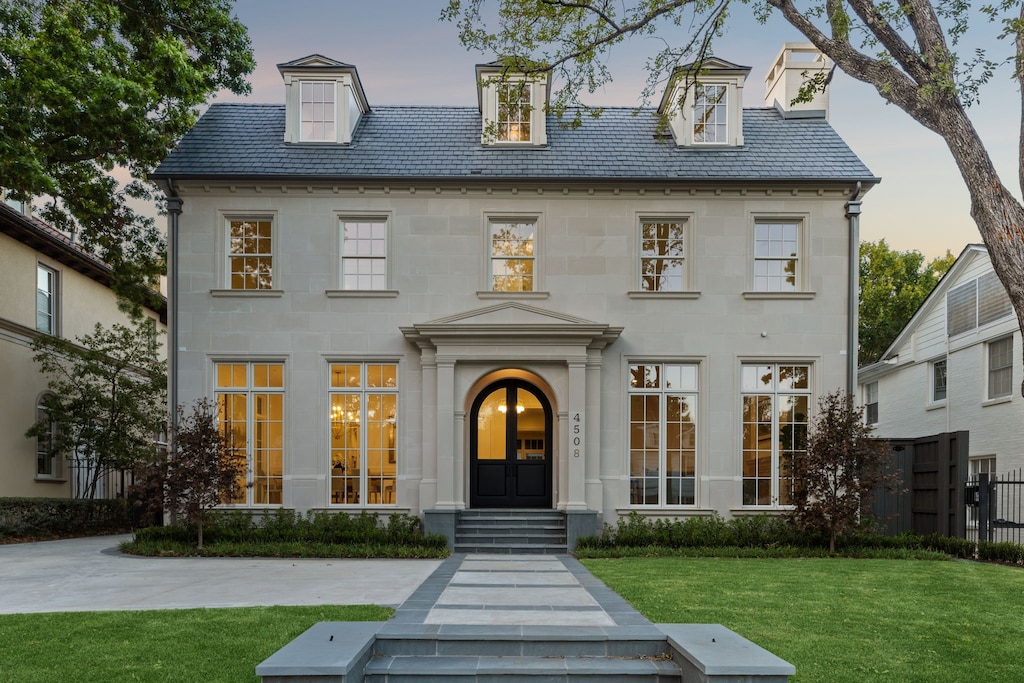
577	434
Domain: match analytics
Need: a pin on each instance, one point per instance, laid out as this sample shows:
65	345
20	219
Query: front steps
502	531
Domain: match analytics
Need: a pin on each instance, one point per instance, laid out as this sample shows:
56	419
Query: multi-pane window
250	407
512	256
46	300
47	463
317	111
776	402
514	111
776	253
871	403
364	263
662	434
710	120
250	254
662	256
939	380
363	423
1000	367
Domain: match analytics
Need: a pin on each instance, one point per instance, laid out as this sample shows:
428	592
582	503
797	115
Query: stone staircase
501	531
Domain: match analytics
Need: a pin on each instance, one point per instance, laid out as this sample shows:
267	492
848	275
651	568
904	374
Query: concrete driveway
86	574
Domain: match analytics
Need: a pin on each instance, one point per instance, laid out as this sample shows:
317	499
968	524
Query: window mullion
662	447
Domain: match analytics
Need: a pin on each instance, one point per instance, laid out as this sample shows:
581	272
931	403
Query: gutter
174	204
853	287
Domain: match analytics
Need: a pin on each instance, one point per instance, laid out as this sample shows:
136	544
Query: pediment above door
512	324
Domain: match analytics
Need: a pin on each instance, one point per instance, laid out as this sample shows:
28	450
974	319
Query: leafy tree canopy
893	285
90	85
908	51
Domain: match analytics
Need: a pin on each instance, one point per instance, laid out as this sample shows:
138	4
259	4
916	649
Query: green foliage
1001	552
285	533
42	518
107	398
836	476
637	531
893	285
89	85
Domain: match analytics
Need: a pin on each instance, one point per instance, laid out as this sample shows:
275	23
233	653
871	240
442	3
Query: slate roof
239	140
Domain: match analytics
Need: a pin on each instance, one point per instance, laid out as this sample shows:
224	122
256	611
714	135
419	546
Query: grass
209	645
840	620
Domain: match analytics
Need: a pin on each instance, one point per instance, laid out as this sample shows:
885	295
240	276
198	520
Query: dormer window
703	104
324	100
515	105
318	111
512	106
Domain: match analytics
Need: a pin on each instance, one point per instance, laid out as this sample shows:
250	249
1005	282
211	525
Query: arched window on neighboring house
48	464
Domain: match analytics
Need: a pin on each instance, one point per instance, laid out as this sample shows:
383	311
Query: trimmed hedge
242	528
40	518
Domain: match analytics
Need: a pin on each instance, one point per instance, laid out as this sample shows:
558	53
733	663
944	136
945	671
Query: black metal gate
995	507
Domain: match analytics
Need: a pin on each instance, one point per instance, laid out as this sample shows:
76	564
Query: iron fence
995	507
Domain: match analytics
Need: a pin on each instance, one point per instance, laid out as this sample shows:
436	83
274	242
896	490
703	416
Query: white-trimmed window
250	407
871	403
364	254
662	433
513	255
776	410
663	266
250	254
710	114
363	423
1000	368
318	111
48	464
777	255
515	111
939	380
46	299
976	303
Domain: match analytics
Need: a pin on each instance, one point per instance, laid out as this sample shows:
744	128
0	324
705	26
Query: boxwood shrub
41	518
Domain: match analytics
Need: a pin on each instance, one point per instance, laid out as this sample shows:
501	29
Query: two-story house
438	308
955	366
49	285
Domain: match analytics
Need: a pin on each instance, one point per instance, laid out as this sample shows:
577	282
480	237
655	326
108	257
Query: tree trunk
199	527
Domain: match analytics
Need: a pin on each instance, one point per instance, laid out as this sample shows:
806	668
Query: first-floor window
250	404
1000	368
662	433
776	402
871	403
47	462
363	423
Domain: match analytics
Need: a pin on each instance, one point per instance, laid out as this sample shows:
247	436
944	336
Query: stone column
446	474
595	487
428	412
577	445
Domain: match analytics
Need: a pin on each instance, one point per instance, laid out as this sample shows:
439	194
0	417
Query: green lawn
208	645
841	620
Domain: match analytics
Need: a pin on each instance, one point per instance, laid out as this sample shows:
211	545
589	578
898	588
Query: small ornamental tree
204	469
836	477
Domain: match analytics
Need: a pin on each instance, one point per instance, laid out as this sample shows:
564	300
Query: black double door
510	447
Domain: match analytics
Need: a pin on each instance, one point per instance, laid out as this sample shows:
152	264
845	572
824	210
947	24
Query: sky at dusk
405	55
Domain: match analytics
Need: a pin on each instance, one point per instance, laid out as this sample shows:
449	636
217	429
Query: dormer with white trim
704	104
324	100
512	106
796	64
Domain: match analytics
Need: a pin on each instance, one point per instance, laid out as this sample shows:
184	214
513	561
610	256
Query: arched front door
510	447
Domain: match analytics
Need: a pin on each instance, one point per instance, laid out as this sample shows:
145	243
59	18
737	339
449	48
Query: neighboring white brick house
427	308
955	366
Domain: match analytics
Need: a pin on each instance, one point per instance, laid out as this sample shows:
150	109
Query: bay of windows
776	255
250	407
512	256
364	264
662	256
363	422
776	402
250	254
662	434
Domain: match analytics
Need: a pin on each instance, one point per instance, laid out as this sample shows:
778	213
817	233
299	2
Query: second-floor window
512	256
662	256
364	264
939	380
776	256
250	254
46	300
871	403
1000	368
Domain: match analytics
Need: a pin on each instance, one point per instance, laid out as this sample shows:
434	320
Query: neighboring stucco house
435	308
48	285
956	366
